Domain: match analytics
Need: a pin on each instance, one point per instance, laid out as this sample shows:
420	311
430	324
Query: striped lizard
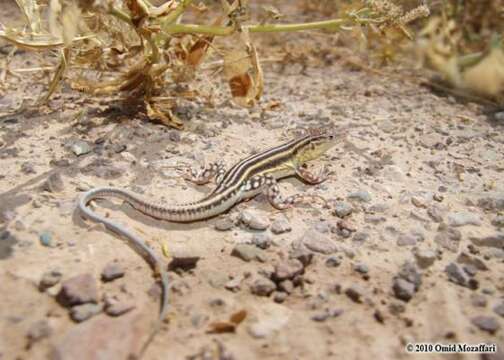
255	174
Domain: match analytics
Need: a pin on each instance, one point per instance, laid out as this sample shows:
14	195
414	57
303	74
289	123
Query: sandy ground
410	250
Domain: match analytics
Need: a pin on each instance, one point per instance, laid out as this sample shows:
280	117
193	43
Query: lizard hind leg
205	174
280	202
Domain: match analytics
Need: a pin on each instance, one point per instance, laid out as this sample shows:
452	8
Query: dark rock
333	261
262	287
286	286
303	255
115	306
498	221
49	279
425	258
183	262
496	241
467	259
7	242
112	271
84	312
499	309
478	300
46	239
458	276
435	214
248	253
410	273
403	290
279	297
448	237
361	268
78	290
486	323
355	293
492	203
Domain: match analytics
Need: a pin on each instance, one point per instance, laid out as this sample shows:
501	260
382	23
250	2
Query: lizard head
315	144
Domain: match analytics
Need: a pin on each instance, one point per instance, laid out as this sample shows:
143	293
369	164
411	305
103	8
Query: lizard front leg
310	177
205	174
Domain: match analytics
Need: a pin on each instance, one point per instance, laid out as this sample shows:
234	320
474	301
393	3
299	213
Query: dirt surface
410	250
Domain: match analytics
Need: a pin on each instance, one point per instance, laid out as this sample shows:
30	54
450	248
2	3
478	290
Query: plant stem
333	24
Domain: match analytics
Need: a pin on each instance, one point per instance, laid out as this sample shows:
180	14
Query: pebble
463	218
254	220
333	261
457	275
223	224
406	240
486	323
419	202
117	307
342	209
498	221
279	297
465	258
183	261
355	293
46	239
403	290
303	255
262	240
80	147
112	271
234	284
54	183
360	237
496	241
326	314
448	237
262	287
361	268
78	290
478	300
499	309
425	258
322	227
435	214
286	286
492	203
271	318
28	168
317	242
287	269
361	195
248	253
84	312
49	279
38	331
410	273
393	173
281	225
374	219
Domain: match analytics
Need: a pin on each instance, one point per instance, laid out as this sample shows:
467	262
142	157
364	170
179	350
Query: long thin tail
135	241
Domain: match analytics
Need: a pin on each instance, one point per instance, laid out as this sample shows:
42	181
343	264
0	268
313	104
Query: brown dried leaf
244	74
238	317
220	327
165	116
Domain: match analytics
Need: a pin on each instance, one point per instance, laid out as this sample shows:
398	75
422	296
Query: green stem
227	30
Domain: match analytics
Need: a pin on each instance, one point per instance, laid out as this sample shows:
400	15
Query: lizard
249	177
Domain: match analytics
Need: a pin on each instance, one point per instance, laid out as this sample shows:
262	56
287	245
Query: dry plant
141	51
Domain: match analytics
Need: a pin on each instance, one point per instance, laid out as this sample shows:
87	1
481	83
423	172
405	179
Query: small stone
302	255
320	317
38	331
333	261
403	290
183	261
406	240
287	269
49	279
425	258
491	203
112	271
271	318
342	209
486	323
410	273
223	224
80	147
234	284
286	286
355	293
317	242
474	261
463	218
46	239
248	253
322	227
254	220
83	312
478	300
457	275
435	214
374	219
261	240
78	290
448	237
362	195
279	297
280	226
28	168
418	202
346	225
262	287
54	183
496	241
361	268
118	307
498	221
360	237
499	309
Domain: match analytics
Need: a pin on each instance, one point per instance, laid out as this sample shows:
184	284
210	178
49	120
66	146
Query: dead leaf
220	327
